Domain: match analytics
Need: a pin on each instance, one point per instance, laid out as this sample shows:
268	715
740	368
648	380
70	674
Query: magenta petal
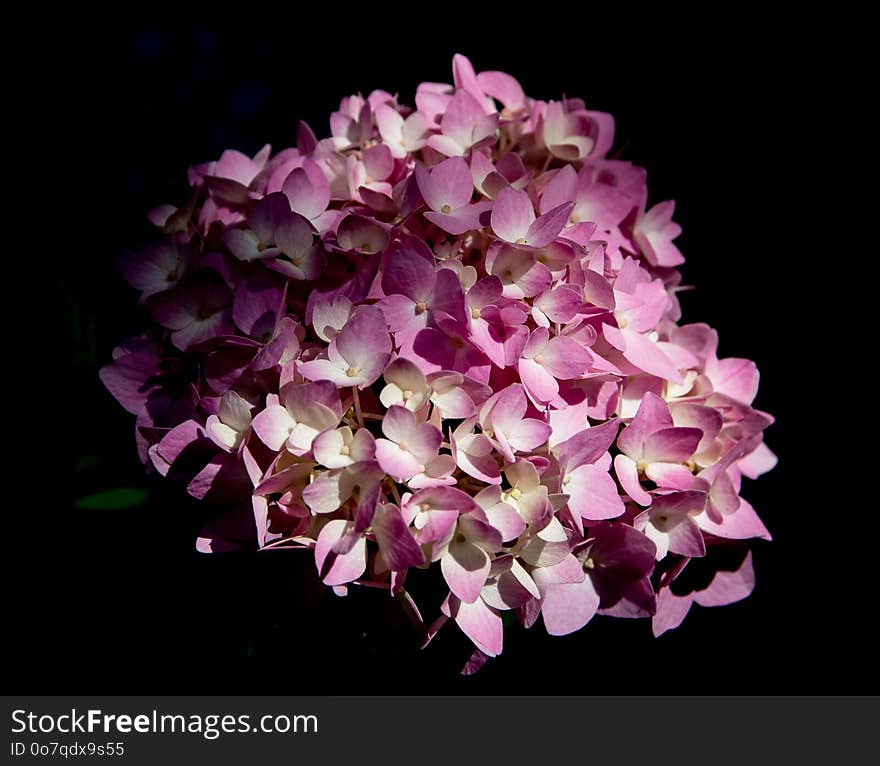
686	539
408	273
398	546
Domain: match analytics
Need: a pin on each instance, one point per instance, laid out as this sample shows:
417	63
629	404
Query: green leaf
112	499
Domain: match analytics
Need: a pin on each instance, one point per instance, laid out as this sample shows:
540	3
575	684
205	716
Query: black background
718	110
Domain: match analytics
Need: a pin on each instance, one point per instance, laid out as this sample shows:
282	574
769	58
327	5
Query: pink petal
628	476
273	426
396	462
670	475
378	162
560	304
512	215
593	494
399	423
465	568
448	185
737	378
481	624
324	495
473	454
361	234
526	435
424	441
560	189
565	359
258	304
503	87
652	415
741	525
307	190
540	383
463	220
338	569
758	461
642	352
323	370
506	520
567	607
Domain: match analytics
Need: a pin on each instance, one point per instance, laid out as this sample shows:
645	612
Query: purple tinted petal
587	446
408	273
671	611
729	587
547	227
398	546
258	304
672	445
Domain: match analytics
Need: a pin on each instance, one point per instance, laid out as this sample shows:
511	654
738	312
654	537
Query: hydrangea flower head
446	337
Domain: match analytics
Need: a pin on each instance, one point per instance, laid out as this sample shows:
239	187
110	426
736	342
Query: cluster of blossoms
447	335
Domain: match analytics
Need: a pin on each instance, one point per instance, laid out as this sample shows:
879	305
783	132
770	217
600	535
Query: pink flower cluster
447	335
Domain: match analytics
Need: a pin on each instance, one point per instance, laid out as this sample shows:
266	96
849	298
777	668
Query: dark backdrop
118	601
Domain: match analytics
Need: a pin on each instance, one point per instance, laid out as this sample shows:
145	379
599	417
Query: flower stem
357	406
